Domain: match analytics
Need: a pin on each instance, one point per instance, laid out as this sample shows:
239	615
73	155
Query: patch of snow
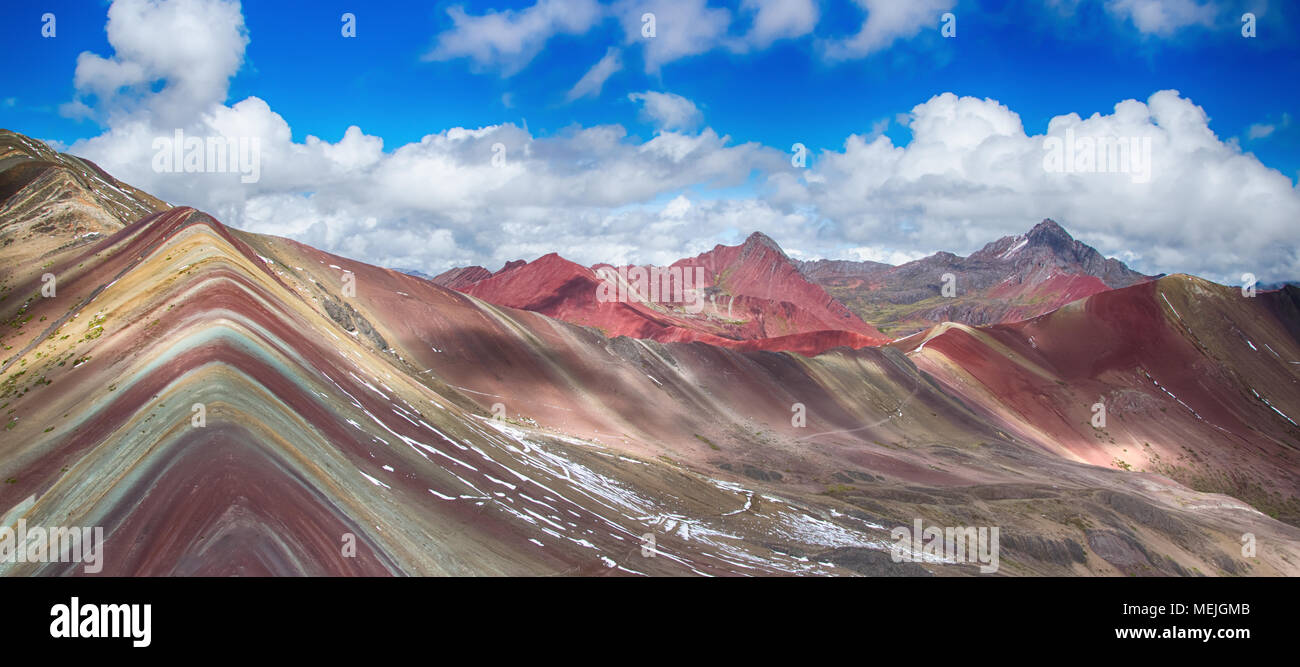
1171	306
1014	249
374	481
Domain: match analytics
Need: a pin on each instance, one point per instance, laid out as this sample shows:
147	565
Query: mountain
759	275
832	271
53	201
742	293
1048	248
460	277
757	292
229	403
1013	278
1187	370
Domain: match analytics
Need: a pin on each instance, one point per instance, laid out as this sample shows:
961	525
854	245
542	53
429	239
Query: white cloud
440	200
592	82
1259	130
1163	17
685	28
510	39
779	19
1262	130
677	208
882	255
887	21
682	28
668	111
192	46
971	174
76	110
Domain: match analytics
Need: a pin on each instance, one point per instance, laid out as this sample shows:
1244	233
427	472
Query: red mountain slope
749	292
1188	372
759	269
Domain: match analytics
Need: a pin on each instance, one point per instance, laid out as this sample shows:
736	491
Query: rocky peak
1048	234
758	242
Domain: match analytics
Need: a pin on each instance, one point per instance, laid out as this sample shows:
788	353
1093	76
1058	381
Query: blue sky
399	81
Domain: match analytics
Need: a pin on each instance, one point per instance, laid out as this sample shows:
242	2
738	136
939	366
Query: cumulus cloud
510	39
591	83
886	22
192	47
443	200
667	111
969	174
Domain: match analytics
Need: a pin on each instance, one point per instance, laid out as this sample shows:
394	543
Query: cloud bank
969	174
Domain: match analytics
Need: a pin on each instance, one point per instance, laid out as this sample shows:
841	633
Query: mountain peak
1048	230
759	238
758	242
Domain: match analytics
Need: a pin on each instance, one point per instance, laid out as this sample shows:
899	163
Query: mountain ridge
1012	278
446	435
